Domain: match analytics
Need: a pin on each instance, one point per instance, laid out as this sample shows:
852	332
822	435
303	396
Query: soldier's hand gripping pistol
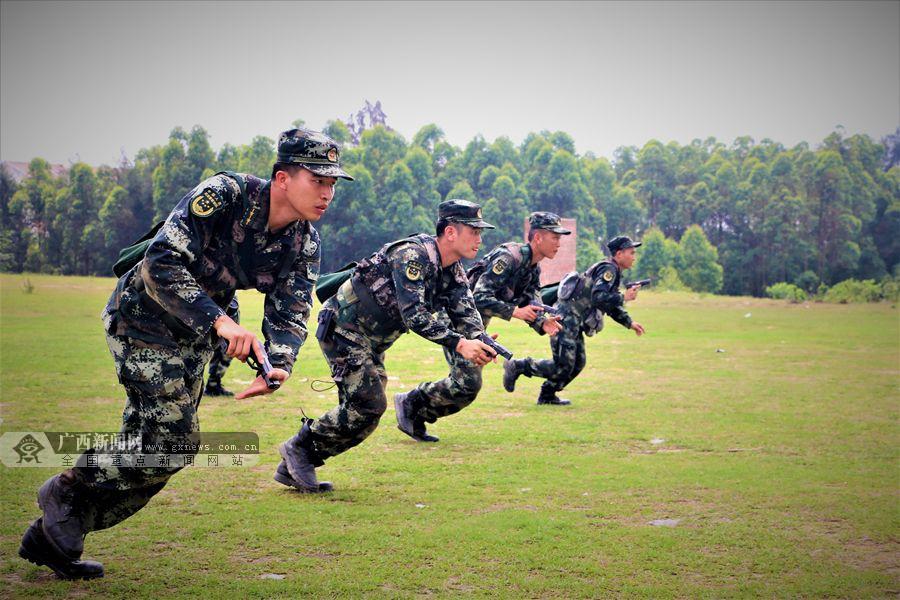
641	282
263	369
495	346
550	310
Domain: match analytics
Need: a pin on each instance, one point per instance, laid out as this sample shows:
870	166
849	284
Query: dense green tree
699	267
653	255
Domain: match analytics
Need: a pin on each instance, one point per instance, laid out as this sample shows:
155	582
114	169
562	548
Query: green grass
780	459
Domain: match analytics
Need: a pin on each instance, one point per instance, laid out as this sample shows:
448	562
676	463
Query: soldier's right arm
495	277
178	244
607	298
411	269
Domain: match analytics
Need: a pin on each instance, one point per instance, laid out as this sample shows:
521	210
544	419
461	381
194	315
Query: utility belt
352	292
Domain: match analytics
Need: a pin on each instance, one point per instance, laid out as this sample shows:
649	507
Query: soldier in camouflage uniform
167	312
397	289
583	300
220	361
507	281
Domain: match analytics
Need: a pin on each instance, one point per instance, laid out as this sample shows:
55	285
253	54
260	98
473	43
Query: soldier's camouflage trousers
220	361
568	359
163	385
455	391
357	366
218	364
451	394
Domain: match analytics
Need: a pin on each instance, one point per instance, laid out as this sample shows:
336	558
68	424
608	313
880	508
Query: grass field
778	460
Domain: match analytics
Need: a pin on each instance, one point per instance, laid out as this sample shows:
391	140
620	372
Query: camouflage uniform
505	278
159	319
593	294
220	361
397	289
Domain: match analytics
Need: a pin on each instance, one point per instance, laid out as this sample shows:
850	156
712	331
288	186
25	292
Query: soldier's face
466	240
548	243
308	194
625	258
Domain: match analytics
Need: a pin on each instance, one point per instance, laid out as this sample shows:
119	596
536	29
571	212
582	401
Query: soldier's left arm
533	293
607	298
288	306
461	305
178	246
494	279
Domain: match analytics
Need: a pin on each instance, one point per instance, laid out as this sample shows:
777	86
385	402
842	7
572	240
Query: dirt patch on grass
484	510
453	583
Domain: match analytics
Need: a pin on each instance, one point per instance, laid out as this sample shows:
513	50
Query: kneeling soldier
395	290
583	300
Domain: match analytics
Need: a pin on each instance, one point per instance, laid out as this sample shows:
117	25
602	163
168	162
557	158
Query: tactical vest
576	288
377	298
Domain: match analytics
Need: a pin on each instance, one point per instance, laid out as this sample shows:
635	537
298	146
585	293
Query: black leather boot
550	397
283	476
301	460
62	520
414	427
37	549
511	371
214	388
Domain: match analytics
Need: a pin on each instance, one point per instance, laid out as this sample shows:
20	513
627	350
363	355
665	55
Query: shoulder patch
206	203
607	276
499	267
414	270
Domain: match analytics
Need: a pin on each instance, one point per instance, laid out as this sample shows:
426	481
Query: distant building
19	170
554	270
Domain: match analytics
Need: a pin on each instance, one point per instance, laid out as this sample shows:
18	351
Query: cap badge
332	155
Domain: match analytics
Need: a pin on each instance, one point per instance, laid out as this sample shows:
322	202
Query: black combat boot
511	371
301	460
413	426
550	397
62	521
283	476
214	388
37	549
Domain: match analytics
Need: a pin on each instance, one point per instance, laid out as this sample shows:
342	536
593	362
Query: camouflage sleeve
411	269
178	244
494	279
461	305
608	298
287	308
533	293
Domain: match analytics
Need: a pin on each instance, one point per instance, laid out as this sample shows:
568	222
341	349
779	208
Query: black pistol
546	308
263	370
641	282
498	348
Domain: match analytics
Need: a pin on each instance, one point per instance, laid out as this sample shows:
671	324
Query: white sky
82	80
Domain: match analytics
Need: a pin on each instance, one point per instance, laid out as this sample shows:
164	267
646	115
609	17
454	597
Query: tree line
731	218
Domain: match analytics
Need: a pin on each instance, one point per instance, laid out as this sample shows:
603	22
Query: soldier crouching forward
396	290
506	282
231	232
583	300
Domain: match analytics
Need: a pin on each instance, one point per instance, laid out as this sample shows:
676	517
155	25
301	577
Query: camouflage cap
312	150
548	221
463	211
621	242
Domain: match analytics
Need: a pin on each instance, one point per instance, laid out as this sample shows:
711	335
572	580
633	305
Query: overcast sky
82	80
